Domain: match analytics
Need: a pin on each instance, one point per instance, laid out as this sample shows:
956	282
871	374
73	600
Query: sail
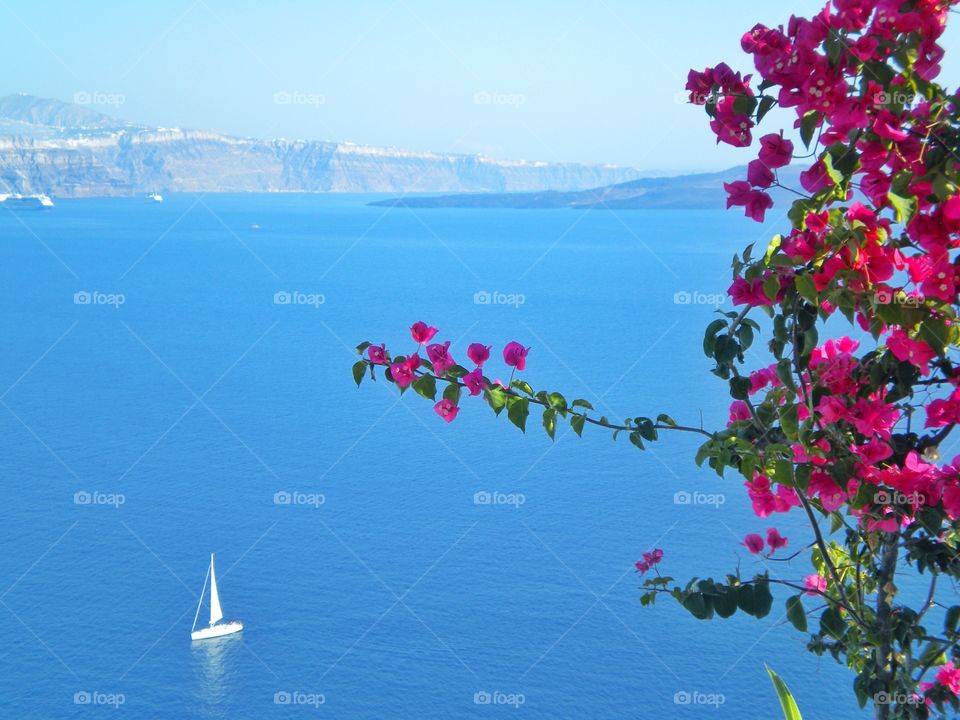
216	614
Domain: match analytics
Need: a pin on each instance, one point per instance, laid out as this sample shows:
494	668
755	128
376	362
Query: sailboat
215	628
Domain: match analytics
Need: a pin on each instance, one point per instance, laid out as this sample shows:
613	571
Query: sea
175	381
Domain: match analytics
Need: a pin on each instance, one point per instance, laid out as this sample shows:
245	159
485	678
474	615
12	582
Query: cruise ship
33	202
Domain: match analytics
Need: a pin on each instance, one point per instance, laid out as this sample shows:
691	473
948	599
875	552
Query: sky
551	80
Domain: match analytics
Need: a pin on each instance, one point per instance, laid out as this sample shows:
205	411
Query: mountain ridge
70	150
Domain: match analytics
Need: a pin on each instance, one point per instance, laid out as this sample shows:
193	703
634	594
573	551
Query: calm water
198	399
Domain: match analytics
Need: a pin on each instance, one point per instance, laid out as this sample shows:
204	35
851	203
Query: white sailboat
215	628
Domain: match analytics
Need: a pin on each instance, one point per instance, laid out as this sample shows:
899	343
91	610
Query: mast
202	591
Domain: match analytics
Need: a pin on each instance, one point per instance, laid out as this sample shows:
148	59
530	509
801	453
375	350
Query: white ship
33	202
156	197
215	628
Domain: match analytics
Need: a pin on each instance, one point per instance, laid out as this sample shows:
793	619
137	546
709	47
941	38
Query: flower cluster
650	559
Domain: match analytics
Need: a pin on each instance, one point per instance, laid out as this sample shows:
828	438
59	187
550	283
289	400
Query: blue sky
557	81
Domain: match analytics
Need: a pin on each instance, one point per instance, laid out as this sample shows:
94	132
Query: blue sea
175	381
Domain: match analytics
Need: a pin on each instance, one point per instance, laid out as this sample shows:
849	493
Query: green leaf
518	409
359	370
577	422
806	288
725	602
766	103
699	605
550	422
807	126
831	623
796	614
740	387
452	393
665	419
771	287
787	703
361	347
496	398
755	599
952	620
426	386
710	336
636	440
646	429
522	386
904	207
583	404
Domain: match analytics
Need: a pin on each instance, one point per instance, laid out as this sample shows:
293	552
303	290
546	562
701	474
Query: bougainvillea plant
847	433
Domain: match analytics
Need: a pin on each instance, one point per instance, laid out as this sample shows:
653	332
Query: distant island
699	191
69	150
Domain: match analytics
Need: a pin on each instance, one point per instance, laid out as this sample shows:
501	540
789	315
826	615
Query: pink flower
422	333
649	560
816	178
515	355
775	540
402	374
949	676
775	151
440	357
377	354
815	584
478	353
754	202
753	543
446	409
474	381
917	352
759	175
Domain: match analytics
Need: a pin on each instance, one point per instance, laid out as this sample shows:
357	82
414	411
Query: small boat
32	202
156	197
215	628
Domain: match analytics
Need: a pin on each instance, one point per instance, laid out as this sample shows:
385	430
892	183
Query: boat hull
215	631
